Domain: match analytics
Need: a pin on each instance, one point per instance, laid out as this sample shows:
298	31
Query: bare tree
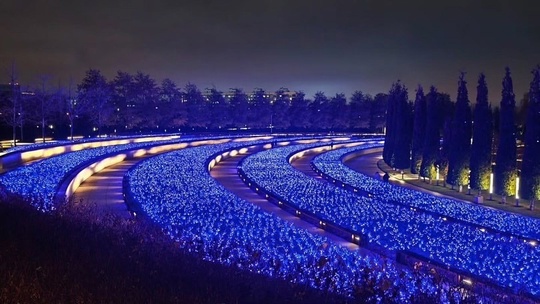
74	108
41	102
11	108
95	92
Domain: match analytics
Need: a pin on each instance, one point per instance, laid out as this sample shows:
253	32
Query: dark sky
332	46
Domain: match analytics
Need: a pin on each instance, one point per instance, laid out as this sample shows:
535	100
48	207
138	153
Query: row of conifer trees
435	134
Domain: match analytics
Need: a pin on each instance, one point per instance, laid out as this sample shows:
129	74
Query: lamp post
517	191
437	175
469	184
491	186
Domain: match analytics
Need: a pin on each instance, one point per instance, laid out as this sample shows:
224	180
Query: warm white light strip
517	187
491	183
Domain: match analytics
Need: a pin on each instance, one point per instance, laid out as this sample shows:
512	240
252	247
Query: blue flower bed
509	261
41	145
330	163
39	181
176	191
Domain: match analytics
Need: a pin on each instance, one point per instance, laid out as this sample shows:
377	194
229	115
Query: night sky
332	46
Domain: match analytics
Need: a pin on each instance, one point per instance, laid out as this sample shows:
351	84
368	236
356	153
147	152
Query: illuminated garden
126	190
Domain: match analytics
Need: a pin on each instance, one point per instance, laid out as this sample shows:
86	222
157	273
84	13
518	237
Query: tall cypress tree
460	143
530	170
432	135
447	116
505	167
482	138
402	126
389	142
419	130
444	152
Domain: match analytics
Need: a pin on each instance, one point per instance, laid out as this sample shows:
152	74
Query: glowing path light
491	186
517	191
396	227
330	165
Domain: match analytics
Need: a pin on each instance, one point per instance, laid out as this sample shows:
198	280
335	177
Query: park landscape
362	238
269	152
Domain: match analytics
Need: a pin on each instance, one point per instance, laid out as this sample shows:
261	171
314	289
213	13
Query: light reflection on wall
72	184
324	148
14	159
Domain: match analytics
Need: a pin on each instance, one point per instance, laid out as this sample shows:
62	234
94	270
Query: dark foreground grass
77	256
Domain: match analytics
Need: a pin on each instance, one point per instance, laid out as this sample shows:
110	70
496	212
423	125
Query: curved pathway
367	164
225	172
104	189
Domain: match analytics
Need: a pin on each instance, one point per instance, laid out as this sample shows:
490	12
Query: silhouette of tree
145	101
430	147
359	111
505	165
239	108
11	106
521	114
123	99
319	112
280	111
338	112
73	107
377	115
530	169
482	138
44	105
299	112
390	136
95	93
197	110
171	110
401	123
260	110
460	143
446	119
419	130
219	106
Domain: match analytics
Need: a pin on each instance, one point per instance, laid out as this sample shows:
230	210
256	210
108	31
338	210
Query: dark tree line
137	103
460	139
431	157
506	166
530	172
482	138
432	135
399	125
413	130
439	137
419	130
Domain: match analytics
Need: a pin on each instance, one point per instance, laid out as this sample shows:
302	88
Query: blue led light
501	258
